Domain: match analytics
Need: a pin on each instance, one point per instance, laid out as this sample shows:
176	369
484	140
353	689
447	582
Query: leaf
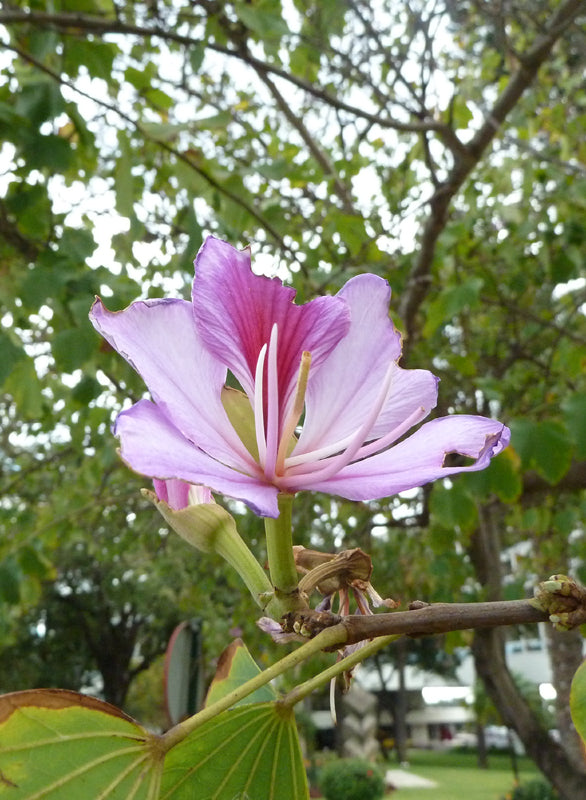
235	667
501	477
453	507
574	409
261	18
578	701
123	180
196	57
542	446
449	303
47	150
251	751
24	387
10	578
10	354
73	347
56	745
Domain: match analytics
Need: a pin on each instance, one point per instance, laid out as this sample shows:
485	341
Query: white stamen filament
259	421
296	410
321	470
272	432
392	436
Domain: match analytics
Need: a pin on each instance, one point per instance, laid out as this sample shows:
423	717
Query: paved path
400	779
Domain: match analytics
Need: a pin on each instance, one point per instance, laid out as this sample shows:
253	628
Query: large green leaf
578	701
59	745
250	751
235	667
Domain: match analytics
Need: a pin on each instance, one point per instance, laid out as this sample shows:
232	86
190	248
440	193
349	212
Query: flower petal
235	311
339	397
173	492
415	461
152	446
179	494
159	339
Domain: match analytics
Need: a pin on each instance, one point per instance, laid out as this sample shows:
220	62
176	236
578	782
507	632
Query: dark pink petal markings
236	310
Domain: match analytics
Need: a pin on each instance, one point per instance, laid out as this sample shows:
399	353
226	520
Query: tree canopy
439	145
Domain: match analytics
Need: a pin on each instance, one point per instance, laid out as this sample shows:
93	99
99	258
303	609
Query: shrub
351	779
534	790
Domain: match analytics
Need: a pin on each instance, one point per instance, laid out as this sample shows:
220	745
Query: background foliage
439	145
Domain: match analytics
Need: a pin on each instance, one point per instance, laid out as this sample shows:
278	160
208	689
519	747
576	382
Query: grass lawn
458	777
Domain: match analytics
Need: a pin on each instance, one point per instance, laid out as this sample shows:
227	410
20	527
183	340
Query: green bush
351	779
534	790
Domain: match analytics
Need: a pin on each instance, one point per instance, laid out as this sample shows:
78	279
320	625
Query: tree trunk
566	655
550	757
481	749
400	706
489	658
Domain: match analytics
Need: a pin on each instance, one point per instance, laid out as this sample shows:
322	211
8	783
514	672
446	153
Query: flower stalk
282	568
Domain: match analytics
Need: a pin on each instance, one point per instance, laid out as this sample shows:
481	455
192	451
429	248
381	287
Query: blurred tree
439	145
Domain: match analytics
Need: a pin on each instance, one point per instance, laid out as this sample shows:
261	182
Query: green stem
299	692
330	637
235	551
282	568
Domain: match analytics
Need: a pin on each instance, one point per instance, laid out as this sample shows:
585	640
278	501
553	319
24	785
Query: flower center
274	434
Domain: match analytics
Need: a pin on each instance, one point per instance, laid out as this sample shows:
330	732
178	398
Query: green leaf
40	101
542	446
50	151
263	18
123	180
97	57
57	744
73	347
449	303
10	354
235	667
453	508
501	477
10	576
24	387
578	701
251	751
574	409
196	57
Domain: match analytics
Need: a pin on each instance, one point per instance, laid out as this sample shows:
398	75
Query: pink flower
333	359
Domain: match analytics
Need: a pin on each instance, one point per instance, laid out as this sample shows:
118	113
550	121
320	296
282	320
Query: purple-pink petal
173	492
340	396
160	340
418	459
151	445
178	494
235	311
